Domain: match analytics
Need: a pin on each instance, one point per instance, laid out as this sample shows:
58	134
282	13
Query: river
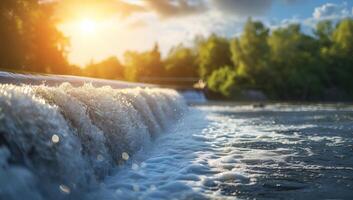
281	151
101	143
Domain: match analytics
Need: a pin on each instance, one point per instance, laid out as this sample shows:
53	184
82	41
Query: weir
62	135
56	80
190	94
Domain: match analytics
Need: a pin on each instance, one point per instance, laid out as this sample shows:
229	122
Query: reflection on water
280	151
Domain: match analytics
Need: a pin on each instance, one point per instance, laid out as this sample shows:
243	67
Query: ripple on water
221	153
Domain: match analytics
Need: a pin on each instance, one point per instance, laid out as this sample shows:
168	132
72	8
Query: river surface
100	143
281	151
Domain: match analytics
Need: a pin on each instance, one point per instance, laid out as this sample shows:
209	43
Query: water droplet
143	164
118	191
125	156
153	188
55	138
100	158
136	188
65	189
134	166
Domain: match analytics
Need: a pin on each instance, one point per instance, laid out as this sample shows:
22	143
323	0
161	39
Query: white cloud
330	11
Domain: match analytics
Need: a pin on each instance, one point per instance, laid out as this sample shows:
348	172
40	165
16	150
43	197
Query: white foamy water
59	142
100	143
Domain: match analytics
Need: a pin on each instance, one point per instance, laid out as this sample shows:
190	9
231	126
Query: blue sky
120	25
302	8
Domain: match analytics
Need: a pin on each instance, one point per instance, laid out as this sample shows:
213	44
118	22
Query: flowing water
227	152
60	142
100	143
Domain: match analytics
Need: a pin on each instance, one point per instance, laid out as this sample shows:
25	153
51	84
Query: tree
143	66
250	52
11	44
29	39
181	62
223	80
110	68
340	54
343	37
294	58
323	32
214	53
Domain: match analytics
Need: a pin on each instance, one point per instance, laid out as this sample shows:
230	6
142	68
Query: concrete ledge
56	80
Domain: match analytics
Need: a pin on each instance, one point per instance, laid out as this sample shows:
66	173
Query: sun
88	26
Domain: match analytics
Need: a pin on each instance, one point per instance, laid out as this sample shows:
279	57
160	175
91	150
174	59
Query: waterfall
58	141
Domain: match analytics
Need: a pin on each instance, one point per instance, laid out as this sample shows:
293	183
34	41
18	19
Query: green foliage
143	66
250	52
110	68
223	80
213	53
343	37
29	39
288	64
339	56
181	62
294	58
323	32
11	48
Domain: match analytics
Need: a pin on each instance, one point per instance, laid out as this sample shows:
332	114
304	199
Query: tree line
283	63
29	39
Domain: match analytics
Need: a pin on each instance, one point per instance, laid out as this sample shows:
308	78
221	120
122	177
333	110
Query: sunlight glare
88	26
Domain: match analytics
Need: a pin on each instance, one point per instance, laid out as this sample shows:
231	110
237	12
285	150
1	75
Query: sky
98	29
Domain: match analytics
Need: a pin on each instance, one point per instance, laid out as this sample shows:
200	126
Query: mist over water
101	143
